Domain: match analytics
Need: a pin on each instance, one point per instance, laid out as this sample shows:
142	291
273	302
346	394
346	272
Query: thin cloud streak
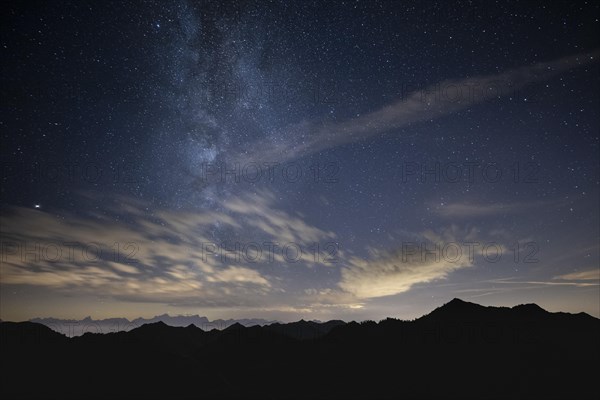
469	210
591	275
544	283
310	137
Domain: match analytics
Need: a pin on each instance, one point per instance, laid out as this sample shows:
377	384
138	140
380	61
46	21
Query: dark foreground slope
460	350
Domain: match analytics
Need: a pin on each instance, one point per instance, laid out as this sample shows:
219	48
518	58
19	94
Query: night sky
320	160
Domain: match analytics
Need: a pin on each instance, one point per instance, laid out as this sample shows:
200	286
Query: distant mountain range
460	350
72	327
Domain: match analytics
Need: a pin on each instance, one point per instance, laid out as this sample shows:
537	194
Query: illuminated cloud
166	256
239	274
589	275
387	273
261	213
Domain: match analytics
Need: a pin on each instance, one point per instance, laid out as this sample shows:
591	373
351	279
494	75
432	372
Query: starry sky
283	160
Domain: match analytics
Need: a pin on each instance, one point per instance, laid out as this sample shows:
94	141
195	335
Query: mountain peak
456	300
152	325
455	309
235	327
458	304
530	308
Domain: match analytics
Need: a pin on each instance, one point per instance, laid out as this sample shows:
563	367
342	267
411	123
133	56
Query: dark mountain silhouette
74	327
304	329
459	350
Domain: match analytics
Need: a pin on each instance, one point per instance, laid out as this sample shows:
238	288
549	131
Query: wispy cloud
540	283
471	209
387	273
163	256
239	274
588	275
310	137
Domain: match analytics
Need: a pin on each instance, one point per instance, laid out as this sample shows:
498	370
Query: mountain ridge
78	327
456	310
516	351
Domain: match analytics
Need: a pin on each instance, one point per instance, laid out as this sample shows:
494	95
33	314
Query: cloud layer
164	256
